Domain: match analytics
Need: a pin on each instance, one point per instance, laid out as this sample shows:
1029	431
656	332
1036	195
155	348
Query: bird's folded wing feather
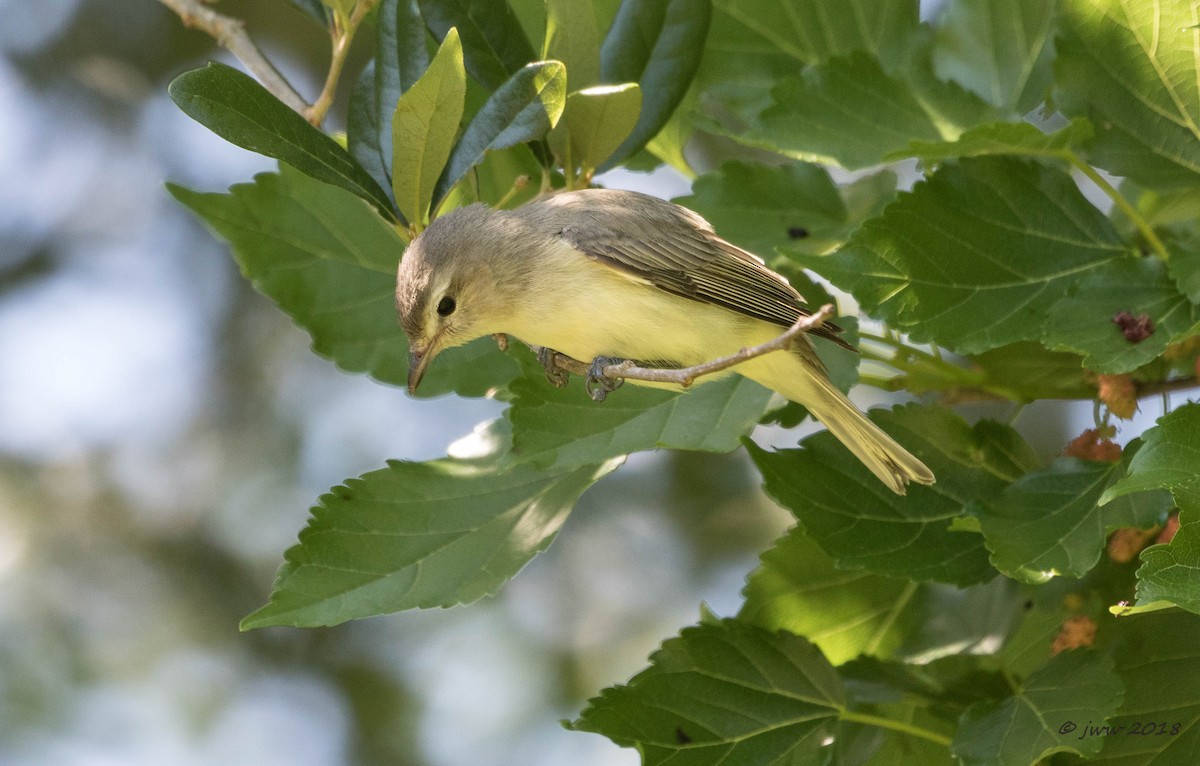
686	258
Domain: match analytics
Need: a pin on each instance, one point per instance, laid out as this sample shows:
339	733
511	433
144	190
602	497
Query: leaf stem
230	33
342	31
1119	200
900	726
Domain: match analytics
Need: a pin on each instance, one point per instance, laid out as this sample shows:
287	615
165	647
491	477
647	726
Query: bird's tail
810	386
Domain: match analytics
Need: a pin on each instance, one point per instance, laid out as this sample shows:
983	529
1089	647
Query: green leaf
494	45
1000	50
235	107
849	111
748	50
1015	138
419	535
863	525
1171	572
424	127
596	121
658	45
976	256
573	38
1026	371
1130	66
400	60
1168	459
1083	321
763	207
1184	267
562	427
798	589
344	7
1076	687
728	693
329	262
522	109
1156	659
1048	522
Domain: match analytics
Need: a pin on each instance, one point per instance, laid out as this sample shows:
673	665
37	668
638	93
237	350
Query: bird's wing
676	250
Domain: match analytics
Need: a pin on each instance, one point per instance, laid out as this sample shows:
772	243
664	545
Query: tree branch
231	35
629	370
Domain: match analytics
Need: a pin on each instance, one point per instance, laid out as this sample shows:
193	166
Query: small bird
606	275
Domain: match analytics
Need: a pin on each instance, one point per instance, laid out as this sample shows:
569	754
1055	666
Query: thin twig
684	377
1132	213
231	35
343	37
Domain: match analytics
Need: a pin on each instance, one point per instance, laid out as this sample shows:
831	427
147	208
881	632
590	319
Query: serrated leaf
1074	687
978	255
1083	321
855	519
494	44
1171	572
400	59
1156	659
1131	67
523	109
235	107
761	207
1168	459
419	535
1048	522
572	38
1012	138
723	694
424	127
658	45
1184	267
748	50
845	613
1000	50
596	121
563	427
329	262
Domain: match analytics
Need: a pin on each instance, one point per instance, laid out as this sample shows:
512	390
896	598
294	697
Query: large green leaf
763	207
420	535
658	45
1001	50
1131	67
596	121
572	38
235	107
863	525
849	111
996	250
797	588
1158	724
400	60
424	128
329	262
1048	521
562	427
522	109
1074	688
724	693
1168	459
1015	138
749	50
494	44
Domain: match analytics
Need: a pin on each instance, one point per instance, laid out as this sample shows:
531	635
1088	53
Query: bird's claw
598	384
557	376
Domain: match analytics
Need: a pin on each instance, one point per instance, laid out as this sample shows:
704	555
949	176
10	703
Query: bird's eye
446	306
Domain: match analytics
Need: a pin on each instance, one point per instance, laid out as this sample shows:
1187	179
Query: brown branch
1155	387
628	370
231	35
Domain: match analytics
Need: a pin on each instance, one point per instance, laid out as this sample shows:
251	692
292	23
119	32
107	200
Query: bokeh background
164	430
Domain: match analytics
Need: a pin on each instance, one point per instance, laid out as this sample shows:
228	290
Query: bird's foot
598	384
557	376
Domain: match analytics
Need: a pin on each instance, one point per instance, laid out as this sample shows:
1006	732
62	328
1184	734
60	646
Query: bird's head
453	285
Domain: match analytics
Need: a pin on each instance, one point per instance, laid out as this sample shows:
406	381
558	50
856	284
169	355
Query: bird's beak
418	360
